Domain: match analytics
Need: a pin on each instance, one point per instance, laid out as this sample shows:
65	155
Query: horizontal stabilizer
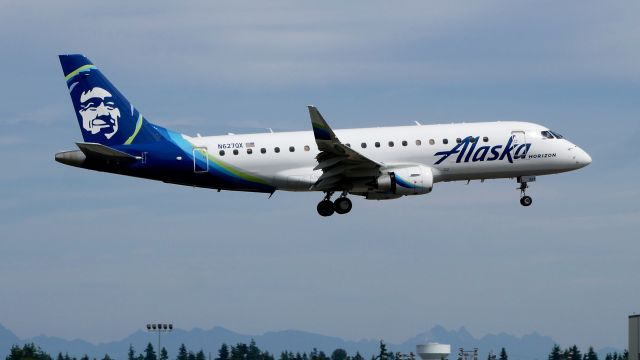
95	150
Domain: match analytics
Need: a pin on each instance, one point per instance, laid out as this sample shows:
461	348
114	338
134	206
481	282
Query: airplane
379	163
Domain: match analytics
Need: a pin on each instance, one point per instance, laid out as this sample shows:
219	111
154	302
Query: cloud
43	115
291	44
10	140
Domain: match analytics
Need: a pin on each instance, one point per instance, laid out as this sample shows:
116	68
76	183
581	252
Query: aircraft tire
526	200
342	205
325	208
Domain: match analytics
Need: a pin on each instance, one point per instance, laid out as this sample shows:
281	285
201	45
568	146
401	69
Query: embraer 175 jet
375	163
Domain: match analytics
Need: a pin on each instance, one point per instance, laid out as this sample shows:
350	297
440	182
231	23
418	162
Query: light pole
159	328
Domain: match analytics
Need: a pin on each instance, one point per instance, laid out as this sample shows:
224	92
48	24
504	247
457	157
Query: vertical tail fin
104	114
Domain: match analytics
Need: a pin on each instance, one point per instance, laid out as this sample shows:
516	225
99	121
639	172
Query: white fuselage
292	168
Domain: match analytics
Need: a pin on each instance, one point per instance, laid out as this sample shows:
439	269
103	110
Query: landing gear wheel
325	208
526	200
342	205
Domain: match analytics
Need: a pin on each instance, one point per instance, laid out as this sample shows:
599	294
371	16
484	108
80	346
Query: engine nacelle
411	180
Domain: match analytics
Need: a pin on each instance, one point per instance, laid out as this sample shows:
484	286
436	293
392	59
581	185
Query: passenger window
377	144
347	145
363	145
263	150
249	151
390	143
221	152
445	141
432	142
235	152
307	148
292	149
276	149
473	139
404	142
418	142
485	139
458	140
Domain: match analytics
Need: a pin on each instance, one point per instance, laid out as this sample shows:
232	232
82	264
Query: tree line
251	351
573	353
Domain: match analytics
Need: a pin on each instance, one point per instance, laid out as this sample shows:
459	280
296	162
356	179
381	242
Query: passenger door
200	160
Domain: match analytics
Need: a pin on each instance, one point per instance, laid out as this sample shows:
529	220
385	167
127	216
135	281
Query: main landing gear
341	205
524	180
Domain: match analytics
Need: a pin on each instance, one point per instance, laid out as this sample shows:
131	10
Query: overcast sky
96	256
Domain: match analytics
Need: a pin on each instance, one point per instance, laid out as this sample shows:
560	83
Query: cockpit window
547	134
556	134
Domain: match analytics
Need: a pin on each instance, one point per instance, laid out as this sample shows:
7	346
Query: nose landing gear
341	205
524	199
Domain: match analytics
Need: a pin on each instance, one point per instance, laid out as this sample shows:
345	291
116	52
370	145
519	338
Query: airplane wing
339	163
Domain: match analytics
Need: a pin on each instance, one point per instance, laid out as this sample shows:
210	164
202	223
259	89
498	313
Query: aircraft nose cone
582	158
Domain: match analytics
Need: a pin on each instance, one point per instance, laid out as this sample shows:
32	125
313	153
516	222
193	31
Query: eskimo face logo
99	112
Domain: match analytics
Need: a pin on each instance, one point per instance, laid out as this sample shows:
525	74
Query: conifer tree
383	354
131	354
182	353
574	353
339	354
556	353
591	354
223	352
266	356
149	353
239	352
503	354
28	351
164	355
253	352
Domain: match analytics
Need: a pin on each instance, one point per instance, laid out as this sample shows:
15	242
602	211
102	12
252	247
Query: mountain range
528	347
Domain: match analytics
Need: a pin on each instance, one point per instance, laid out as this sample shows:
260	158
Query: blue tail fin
104	114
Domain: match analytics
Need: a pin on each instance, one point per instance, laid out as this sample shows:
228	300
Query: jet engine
412	180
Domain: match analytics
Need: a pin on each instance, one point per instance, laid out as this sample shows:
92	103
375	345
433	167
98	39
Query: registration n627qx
375	163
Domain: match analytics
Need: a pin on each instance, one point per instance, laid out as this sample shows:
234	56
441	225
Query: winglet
321	130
